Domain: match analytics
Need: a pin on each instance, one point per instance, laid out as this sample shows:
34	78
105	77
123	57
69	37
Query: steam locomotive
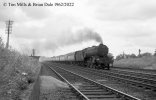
93	57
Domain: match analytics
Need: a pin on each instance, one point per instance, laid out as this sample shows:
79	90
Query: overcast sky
123	25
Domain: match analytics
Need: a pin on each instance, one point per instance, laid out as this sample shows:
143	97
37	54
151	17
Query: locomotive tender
93	57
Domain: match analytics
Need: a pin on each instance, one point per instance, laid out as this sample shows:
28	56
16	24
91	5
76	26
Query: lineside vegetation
143	61
17	73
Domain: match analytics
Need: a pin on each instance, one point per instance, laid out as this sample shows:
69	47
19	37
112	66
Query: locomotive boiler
93	57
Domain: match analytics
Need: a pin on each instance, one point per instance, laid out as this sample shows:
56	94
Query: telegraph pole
8	31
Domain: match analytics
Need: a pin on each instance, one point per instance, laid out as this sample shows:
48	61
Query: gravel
52	88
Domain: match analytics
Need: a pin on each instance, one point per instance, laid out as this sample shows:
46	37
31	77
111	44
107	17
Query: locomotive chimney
101	43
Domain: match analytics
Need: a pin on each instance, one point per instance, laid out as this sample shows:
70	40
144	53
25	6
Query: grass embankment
17	73
146	62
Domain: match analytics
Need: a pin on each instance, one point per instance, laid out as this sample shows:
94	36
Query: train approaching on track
93	57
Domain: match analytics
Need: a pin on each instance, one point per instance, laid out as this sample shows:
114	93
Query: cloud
36	13
124	10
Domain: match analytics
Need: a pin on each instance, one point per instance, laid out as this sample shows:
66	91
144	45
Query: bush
12	66
146	54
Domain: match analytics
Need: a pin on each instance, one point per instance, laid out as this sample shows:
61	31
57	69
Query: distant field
142	63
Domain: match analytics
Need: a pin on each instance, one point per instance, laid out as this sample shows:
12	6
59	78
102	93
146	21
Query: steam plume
67	38
80	36
87	34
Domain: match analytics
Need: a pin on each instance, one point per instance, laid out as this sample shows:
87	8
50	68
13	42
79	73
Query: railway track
139	73
135	69
144	81
134	79
87	89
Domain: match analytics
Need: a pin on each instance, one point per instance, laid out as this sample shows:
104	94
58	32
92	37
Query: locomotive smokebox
102	50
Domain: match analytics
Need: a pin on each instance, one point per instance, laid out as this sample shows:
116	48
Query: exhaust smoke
66	39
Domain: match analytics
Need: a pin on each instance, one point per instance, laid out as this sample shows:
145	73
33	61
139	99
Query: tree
132	56
146	54
119	57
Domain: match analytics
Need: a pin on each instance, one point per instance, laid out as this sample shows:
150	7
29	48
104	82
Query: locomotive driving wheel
88	62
